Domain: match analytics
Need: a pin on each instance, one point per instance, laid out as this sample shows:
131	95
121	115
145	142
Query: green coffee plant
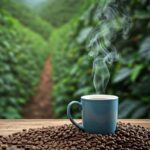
62	10
22	55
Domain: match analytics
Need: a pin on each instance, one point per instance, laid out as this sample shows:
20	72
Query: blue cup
99	113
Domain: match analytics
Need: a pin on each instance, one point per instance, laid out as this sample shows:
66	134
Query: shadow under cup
99	113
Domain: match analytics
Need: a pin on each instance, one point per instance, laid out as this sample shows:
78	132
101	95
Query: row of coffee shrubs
22	55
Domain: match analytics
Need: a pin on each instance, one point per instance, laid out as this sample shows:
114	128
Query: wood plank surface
11	126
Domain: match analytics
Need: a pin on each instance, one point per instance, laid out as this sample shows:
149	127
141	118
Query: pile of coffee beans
68	137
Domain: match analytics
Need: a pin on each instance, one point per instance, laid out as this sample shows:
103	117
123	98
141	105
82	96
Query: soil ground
39	107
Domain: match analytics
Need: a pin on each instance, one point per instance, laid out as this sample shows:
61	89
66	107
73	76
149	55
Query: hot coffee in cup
99	113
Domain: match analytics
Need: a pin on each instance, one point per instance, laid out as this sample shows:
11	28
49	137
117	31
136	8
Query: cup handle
70	116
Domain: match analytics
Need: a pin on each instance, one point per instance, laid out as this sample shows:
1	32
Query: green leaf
144	51
122	74
141	111
21	101
135	72
126	108
83	34
83	91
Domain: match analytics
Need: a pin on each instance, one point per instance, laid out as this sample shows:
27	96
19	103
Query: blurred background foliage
30	32
129	77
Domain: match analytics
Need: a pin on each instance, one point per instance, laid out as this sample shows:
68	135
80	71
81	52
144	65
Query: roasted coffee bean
68	137
4	147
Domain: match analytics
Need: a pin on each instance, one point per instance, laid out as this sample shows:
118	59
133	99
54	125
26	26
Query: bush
129	77
62	10
27	17
22	54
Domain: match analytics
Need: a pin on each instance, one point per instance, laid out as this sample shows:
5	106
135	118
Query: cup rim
99	97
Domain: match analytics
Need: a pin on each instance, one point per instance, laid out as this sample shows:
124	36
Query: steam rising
113	21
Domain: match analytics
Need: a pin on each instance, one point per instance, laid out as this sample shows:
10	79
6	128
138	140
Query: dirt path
40	105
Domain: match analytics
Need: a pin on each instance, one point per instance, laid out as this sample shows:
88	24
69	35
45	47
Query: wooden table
11	126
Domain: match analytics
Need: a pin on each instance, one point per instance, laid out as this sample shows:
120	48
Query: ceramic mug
99	113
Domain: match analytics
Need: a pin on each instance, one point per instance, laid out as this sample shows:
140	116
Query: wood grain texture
11	126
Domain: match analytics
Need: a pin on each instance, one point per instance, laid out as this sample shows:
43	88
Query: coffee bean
4	147
68	137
